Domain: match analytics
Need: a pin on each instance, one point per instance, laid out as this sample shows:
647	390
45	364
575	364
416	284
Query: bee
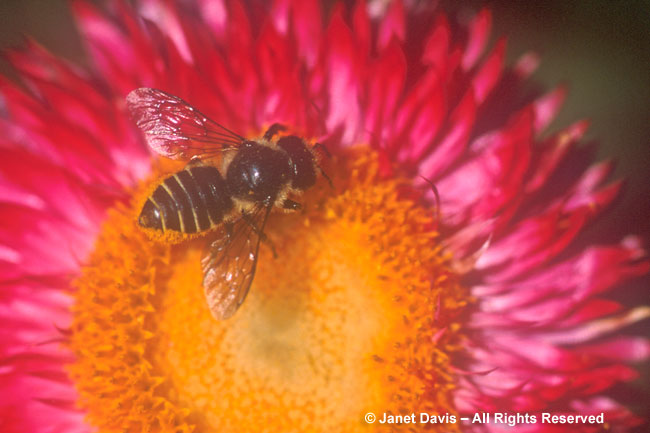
254	177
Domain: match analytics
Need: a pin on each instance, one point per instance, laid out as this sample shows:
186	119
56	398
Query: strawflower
383	298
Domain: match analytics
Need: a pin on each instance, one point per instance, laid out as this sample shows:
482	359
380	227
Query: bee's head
303	167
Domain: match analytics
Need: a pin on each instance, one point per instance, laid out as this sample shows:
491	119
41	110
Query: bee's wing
175	129
229	264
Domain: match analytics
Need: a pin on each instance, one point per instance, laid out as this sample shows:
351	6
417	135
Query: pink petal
490	71
479	31
215	15
436	48
551	152
419	118
392	25
103	41
596	328
306	21
384	88
166	16
361	28
344	81
490	180
526	65
621	349
454	142
547	107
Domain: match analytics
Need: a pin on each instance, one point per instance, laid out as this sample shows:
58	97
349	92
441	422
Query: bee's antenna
320	149
326	177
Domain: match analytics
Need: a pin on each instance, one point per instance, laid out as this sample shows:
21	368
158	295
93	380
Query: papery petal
393	25
551	152
303	19
490	180
479	31
547	107
489	72
384	88
343	80
419	118
454	143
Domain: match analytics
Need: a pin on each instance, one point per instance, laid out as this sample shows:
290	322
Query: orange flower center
355	315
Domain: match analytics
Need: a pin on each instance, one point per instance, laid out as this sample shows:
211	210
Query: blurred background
599	48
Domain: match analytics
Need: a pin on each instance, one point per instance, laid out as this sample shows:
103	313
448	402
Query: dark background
599	48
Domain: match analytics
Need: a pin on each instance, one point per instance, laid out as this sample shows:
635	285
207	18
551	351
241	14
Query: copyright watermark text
511	419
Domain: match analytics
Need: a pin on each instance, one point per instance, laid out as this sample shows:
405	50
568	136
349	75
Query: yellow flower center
355	315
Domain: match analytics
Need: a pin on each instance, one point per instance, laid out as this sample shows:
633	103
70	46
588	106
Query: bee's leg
248	220
291	205
274	129
321	150
325	176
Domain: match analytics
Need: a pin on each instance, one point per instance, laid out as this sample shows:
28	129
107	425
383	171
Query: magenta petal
436	48
344	81
166	16
589	310
593	271
550	153
584	192
597	328
64	194
419	118
532	242
36	257
103	41
361	29
393	25
489	181
479	31
384	87
544	236
215	16
489	72
526	65
454	142
620	349
37	65
547	107
306	19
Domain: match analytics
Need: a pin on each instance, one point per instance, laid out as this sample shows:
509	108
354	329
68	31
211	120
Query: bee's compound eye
302	161
150	216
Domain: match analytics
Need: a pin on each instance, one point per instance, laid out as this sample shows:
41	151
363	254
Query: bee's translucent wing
175	129
229	264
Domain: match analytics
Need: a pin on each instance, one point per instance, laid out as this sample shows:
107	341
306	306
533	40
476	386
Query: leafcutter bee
230	183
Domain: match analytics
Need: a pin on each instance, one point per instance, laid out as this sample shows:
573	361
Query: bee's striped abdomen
196	202
213	191
192	200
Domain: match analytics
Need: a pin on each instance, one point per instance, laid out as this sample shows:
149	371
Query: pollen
358	313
